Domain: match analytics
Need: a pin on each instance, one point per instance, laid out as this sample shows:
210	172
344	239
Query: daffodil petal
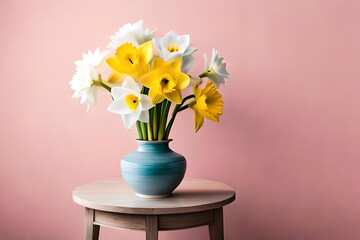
209	87
183	42
214	55
148	79
146	50
144	116
210	116
216	81
116	77
130	83
187	63
197	91
157	63
119	92
214	103
174	96
182	80
145	102
169	38
130	119
189	50
91	94
157	42
155	97
199	121
119	106
134	33
219	79
113	63
175	64
215	109
172	39
222	70
170	56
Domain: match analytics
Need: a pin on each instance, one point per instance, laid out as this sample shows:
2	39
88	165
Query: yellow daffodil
131	60
165	80
208	103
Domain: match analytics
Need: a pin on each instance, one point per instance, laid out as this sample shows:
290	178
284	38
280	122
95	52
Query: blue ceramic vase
153	170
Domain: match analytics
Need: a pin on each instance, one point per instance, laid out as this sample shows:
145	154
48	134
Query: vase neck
153	146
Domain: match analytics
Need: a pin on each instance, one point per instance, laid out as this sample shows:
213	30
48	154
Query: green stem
204	74
187	98
155	122
149	126
143	130
178	106
138	127
183	108
160	110
101	84
165	111
177	109
163	106
168	128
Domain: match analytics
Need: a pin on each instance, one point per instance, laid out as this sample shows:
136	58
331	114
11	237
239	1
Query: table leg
152	227
216	229
91	231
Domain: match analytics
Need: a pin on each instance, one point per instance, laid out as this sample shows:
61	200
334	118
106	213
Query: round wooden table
111	202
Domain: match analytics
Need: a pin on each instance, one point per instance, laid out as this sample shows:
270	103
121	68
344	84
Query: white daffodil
216	69
172	46
85	81
130	33
130	103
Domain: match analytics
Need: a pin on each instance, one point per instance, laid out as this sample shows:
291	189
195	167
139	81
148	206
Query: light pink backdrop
288	141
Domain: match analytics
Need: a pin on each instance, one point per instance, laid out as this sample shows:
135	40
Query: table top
192	195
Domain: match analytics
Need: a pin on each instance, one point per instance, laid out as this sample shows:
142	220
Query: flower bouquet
146	78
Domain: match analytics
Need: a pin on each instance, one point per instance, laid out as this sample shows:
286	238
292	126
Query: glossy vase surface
153	170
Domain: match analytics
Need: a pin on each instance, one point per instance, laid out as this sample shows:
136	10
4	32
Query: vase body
153	170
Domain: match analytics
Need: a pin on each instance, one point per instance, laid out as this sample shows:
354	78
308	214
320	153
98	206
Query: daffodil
208	103
86	80
130	103
165	80
216	69
173	46
131	60
131	33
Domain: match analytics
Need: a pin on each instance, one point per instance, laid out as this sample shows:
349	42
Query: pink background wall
288	141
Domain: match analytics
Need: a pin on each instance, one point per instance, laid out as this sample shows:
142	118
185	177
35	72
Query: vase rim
156	141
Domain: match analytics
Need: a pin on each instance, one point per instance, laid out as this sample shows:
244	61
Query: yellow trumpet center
132	101
167	83
202	103
173	48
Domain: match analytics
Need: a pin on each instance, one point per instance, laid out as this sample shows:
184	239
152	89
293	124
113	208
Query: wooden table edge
154	211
